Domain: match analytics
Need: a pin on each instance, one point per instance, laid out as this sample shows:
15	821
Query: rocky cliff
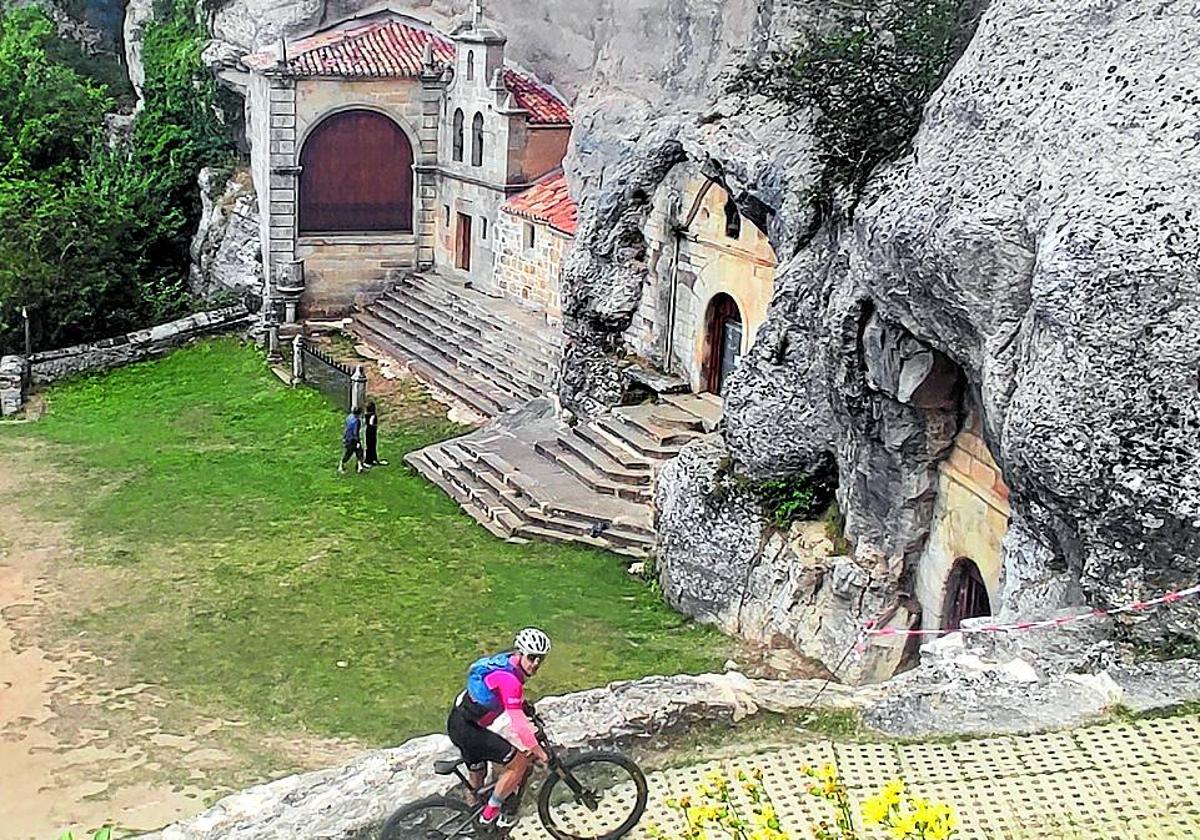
1033	256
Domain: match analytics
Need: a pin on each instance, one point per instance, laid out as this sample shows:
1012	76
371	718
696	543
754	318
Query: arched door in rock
722	341
966	595
356	175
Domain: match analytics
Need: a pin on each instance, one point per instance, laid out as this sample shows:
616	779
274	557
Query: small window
530	236
458	135
733	220
470	65
483	227
477	140
446	213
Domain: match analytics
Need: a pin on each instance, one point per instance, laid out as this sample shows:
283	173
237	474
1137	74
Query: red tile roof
390	49
549	202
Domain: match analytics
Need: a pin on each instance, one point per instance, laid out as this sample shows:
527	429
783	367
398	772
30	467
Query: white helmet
532	642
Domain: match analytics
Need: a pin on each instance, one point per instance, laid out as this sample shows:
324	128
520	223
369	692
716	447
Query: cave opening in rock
966	595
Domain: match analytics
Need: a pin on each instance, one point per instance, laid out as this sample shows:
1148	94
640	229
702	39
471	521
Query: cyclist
488	723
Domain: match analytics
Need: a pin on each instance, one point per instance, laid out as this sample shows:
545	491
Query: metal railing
311	366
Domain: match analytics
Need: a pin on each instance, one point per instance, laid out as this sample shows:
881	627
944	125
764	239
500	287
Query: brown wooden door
722	342
356	175
463	242
966	595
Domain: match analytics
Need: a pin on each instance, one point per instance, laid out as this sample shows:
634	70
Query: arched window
470	65
458	135
356	175
733	219
477	140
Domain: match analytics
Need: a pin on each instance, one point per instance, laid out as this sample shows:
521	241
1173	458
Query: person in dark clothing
351	440
371	421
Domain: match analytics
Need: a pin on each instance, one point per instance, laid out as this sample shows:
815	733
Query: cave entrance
723	342
966	595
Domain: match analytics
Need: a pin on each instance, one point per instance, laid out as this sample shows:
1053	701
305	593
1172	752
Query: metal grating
1134	780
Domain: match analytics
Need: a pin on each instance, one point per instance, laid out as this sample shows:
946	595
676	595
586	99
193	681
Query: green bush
94	240
867	82
796	497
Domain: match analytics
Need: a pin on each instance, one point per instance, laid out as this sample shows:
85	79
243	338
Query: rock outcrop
1033	257
226	251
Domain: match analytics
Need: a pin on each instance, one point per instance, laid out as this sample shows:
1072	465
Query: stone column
298	360
358	388
274	357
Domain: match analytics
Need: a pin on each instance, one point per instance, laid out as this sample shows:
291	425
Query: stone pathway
1136	780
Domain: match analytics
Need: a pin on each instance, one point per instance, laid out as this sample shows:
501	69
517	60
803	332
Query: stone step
604	542
491	343
481	396
707	407
549	495
586	473
618	451
503	526
616	466
635	438
505	374
477	310
679	429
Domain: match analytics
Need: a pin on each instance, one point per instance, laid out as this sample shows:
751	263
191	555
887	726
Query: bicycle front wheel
431	818
593	796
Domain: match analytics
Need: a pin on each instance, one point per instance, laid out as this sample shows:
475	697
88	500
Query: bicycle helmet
532	642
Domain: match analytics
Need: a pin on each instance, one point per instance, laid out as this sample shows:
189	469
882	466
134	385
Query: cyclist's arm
512	695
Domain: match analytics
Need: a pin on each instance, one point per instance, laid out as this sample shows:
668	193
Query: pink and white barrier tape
1136	606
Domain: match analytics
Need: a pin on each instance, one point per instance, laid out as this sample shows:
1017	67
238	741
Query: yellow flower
875	809
892	791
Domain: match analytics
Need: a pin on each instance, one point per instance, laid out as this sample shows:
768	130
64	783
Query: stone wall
14	379
53	365
530	275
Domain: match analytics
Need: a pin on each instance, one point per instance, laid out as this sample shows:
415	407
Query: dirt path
79	746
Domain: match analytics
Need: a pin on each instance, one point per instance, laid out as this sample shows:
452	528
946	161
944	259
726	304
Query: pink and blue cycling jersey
510	689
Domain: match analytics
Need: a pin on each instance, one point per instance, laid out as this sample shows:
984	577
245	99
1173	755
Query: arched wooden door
966	595
722	342
356	175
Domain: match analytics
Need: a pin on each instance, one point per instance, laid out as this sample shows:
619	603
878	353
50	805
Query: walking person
371	421
351	440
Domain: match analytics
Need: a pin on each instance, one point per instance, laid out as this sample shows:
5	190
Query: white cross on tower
478	14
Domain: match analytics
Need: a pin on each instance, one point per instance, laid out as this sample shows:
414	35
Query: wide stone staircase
528	475
485	352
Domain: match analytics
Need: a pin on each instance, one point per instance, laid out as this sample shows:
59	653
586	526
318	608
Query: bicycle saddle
445	768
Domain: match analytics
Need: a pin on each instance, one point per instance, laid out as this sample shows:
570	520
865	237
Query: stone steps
487	353
480	396
509	374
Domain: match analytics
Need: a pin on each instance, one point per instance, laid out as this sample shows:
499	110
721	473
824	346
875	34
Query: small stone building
712	272
533	234
379	144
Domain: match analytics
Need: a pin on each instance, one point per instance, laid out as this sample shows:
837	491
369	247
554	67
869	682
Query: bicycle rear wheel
597	796
431	818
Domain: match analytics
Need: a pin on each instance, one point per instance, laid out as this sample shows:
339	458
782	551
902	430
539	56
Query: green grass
241	570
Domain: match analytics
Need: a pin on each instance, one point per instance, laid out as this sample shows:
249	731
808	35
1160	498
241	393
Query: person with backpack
351	441
488	723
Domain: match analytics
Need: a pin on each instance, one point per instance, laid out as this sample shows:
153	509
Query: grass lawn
251	580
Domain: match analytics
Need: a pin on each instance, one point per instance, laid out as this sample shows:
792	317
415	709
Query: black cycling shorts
477	745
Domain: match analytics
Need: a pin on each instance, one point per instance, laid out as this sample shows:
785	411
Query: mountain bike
598	795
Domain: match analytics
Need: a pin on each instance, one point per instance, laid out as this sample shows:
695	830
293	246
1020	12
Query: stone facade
691	258
453	195
530	274
970	520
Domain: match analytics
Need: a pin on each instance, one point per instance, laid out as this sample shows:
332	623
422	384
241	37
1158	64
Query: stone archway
723	328
966	595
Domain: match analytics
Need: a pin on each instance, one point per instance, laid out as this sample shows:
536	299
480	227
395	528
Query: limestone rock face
226	253
722	563
137	14
1043	237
